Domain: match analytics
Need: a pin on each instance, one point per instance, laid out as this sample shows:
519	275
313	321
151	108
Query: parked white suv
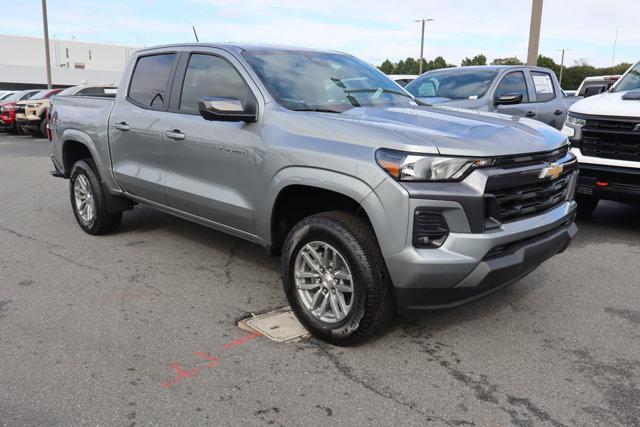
604	131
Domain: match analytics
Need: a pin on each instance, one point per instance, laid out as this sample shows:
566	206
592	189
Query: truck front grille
611	139
523	201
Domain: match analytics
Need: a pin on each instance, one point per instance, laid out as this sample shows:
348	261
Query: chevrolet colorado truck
604	132
376	204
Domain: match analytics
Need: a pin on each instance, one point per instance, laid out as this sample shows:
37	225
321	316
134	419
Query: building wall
72	62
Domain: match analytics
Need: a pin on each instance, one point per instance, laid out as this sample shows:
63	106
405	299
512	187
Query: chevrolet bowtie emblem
552	170
637	128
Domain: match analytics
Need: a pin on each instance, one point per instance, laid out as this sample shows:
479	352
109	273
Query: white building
22	62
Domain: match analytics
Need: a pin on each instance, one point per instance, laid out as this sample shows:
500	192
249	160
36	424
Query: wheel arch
314	190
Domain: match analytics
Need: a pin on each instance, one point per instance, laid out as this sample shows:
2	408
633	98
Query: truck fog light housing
430	229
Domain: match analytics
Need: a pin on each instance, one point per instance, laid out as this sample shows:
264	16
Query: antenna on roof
195	33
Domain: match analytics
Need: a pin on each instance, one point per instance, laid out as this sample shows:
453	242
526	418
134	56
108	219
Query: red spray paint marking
212	359
182	373
241	341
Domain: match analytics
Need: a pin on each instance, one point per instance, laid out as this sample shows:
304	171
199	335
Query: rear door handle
175	135
122	126
558	112
530	114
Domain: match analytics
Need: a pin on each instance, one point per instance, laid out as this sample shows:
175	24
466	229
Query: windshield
16	96
320	81
5	96
41	95
453	83
630	81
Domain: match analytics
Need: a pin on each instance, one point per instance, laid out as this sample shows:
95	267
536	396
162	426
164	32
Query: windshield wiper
318	110
395	92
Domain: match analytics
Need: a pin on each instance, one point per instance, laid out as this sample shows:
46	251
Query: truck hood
458	132
607	104
459	103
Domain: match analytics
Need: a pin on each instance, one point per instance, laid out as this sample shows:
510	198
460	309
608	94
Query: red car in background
8	110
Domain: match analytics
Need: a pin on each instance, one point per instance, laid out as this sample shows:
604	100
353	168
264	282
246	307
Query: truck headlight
416	167
573	127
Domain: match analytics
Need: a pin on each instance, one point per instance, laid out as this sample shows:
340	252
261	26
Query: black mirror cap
509	99
227	110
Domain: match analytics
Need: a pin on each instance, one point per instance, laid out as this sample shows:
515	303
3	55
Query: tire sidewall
82	168
299	237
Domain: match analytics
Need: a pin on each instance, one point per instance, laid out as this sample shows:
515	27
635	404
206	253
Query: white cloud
371	29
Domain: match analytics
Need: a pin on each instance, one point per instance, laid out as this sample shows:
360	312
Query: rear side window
98	91
210	76
544	86
149	80
513	83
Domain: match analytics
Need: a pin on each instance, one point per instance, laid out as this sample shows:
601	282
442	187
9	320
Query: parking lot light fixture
422	21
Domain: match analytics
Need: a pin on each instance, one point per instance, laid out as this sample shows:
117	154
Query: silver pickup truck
376	203
517	90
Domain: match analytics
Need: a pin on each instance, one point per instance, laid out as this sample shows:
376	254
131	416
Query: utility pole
561	65
534	32
423	21
46	43
615	42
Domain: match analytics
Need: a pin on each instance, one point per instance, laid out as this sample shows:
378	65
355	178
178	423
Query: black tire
372	305
586	205
43	127
102	221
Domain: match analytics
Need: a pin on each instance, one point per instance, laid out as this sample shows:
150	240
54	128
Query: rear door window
543	84
149	81
513	83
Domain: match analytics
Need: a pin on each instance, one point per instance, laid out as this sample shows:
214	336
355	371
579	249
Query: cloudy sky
370	29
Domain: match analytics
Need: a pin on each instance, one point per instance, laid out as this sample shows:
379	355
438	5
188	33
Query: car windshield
453	83
322	81
5	96
630	81
15	97
41	95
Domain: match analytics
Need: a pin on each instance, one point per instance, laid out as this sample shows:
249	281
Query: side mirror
509	99
226	110
594	90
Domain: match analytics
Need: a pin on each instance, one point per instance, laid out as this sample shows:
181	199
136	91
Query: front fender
347	185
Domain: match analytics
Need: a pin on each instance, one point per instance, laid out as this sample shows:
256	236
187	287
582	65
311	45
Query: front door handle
175	135
122	126
558	112
530	114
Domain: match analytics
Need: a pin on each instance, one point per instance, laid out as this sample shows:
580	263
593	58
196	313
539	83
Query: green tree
476	60
547	62
507	61
437	63
386	67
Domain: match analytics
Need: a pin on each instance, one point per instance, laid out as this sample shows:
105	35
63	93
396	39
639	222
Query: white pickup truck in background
604	131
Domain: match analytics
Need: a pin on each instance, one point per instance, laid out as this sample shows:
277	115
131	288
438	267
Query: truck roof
239	47
491	67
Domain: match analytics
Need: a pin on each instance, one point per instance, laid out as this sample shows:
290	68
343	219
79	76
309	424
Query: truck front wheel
88	200
335	278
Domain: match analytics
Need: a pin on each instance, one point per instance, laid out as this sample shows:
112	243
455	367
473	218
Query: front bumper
469	266
621	184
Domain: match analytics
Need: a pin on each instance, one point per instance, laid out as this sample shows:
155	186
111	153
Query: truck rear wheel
586	205
88	200
335	278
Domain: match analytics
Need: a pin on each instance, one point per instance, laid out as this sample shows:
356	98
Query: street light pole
423	21
534	32
615	42
561	66
45	24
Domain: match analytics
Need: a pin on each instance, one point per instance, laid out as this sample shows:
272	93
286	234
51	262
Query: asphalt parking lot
139	327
